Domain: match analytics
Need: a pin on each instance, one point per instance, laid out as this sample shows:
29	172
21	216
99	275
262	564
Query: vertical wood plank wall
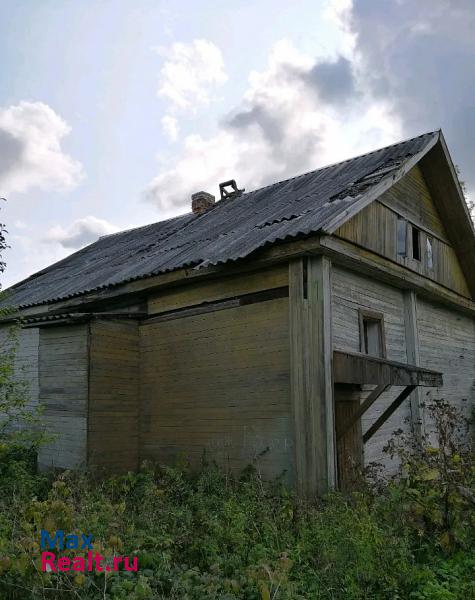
375	226
351	292
413	358
63	392
311	374
216	385
113	395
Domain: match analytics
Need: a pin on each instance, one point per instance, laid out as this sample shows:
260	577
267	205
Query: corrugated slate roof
229	231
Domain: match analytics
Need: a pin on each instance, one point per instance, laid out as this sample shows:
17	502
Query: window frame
416	233
401	225
370	315
429	252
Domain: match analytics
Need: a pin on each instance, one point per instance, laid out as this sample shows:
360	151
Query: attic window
372	339
416	243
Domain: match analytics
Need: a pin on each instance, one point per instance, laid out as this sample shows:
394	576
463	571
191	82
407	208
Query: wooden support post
370	400
412	351
311	382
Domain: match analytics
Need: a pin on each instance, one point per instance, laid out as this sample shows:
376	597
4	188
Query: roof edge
385	184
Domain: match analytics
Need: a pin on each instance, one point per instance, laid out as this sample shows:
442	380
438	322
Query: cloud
81	233
170	127
30	150
296	115
333	81
419	57
191	72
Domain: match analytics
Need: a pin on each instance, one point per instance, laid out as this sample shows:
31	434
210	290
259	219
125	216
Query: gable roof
318	201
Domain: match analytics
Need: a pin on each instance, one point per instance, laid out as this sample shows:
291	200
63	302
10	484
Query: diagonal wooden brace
370	400
407	391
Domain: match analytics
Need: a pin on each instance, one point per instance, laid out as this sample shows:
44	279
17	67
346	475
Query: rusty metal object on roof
229	189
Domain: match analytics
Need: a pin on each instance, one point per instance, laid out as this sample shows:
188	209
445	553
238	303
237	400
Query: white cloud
296	115
191	72
30	150
170	127
80	233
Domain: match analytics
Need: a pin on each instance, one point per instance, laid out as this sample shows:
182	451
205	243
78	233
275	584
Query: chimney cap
201	201
229	193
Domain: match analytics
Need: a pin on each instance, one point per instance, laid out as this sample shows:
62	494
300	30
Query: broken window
372	334
401	236
416	243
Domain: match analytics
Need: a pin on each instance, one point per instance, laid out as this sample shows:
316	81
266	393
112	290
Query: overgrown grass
211	536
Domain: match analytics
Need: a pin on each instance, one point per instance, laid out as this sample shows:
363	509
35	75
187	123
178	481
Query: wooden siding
227	287
352	292
216	385
63	392
113	395
447	343
311	387
375	226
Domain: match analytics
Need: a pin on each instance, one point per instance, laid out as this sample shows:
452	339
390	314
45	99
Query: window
401	237
416	243
430	253
372	340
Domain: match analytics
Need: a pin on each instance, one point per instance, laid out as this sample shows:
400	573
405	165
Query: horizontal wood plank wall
352	292
26	359
447	344
113	395
375	227
210	291
63	392
217	384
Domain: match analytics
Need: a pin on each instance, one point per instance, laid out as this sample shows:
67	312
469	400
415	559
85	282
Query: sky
113	112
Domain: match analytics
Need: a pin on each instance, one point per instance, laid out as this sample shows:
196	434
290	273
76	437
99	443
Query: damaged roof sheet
231	230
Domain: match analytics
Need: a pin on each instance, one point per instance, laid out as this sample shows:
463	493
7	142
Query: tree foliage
214	536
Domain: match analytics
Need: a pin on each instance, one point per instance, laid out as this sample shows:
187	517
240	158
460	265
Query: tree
469	201
3	246
19	422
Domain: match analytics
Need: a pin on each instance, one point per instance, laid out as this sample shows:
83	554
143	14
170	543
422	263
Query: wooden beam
388	412
370	400
412	351
349	367
365	261
261	260
443	183
311	375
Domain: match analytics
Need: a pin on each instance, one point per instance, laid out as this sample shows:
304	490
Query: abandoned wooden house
295	326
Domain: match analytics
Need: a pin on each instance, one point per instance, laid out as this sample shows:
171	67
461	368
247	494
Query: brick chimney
201	201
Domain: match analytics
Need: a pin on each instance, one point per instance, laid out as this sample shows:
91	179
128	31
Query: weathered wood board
352	292
216	386
375	227
447	343
220	289
113	395
63	393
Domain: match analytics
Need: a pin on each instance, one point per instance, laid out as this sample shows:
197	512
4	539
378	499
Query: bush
209	535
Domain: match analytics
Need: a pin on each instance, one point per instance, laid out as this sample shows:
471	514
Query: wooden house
294	327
